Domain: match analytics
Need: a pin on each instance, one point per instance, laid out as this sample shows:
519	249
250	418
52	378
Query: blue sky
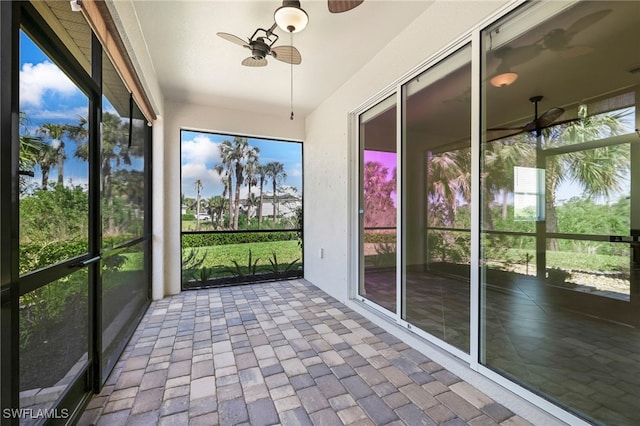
200	154
47	95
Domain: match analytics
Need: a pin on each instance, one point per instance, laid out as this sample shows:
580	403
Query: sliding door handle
86	262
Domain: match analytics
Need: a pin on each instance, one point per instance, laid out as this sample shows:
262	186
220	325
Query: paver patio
279	353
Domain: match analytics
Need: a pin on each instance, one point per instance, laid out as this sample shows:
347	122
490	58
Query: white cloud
295	170
211	182
199	156
39	79
201	149
71	115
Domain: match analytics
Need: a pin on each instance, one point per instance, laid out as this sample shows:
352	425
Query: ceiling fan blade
575	51
520	128
288	54
339	6
234	39
587	21
513	56
497	134
253	62
545	120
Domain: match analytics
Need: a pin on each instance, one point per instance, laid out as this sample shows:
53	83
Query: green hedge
379	238
206	240
34	256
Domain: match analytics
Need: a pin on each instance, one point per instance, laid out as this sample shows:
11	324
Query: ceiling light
76	5
291	17
504	79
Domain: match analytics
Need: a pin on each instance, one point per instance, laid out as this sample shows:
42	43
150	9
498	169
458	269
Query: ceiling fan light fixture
291	17
503	79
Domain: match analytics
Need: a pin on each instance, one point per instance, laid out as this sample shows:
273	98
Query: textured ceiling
193	64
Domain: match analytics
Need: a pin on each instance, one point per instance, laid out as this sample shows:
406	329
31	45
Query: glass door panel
124	296
54	201
561	206
53	340
124	284
54	231
437	194
378	230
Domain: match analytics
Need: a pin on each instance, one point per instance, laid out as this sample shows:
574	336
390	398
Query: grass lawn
221	258
573	260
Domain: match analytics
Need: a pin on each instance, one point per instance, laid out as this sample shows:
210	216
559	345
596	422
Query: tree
238	153
223	170
114	151
55	132
448	179
252	203
215	206
261	173
599	171
274	171
31	148
46	158
379	209
198	184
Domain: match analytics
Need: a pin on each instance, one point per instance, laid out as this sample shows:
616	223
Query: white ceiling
194	65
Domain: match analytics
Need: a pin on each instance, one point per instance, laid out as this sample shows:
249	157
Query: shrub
218	239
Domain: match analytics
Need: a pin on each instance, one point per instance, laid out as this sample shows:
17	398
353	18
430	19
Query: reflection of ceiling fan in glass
547	119
557	40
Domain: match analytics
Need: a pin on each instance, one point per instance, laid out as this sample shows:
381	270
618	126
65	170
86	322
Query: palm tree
55	132
252	203
275	172
251	174
46	158
223	171
31	148
448	178
238	153
261	173
198	184
599	171
500	158
379	210
113	152
215	207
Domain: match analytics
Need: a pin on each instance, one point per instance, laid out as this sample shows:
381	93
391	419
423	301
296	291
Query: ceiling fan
547	119
261	45
556	40
339	6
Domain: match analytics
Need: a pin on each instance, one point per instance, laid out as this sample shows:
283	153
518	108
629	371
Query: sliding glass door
75	226
561	207
57	256
437	200
544	127
377	208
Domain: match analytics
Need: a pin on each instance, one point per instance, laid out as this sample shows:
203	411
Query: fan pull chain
291	65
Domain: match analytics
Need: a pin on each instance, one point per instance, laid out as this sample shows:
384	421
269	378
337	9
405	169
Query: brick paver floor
278	353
